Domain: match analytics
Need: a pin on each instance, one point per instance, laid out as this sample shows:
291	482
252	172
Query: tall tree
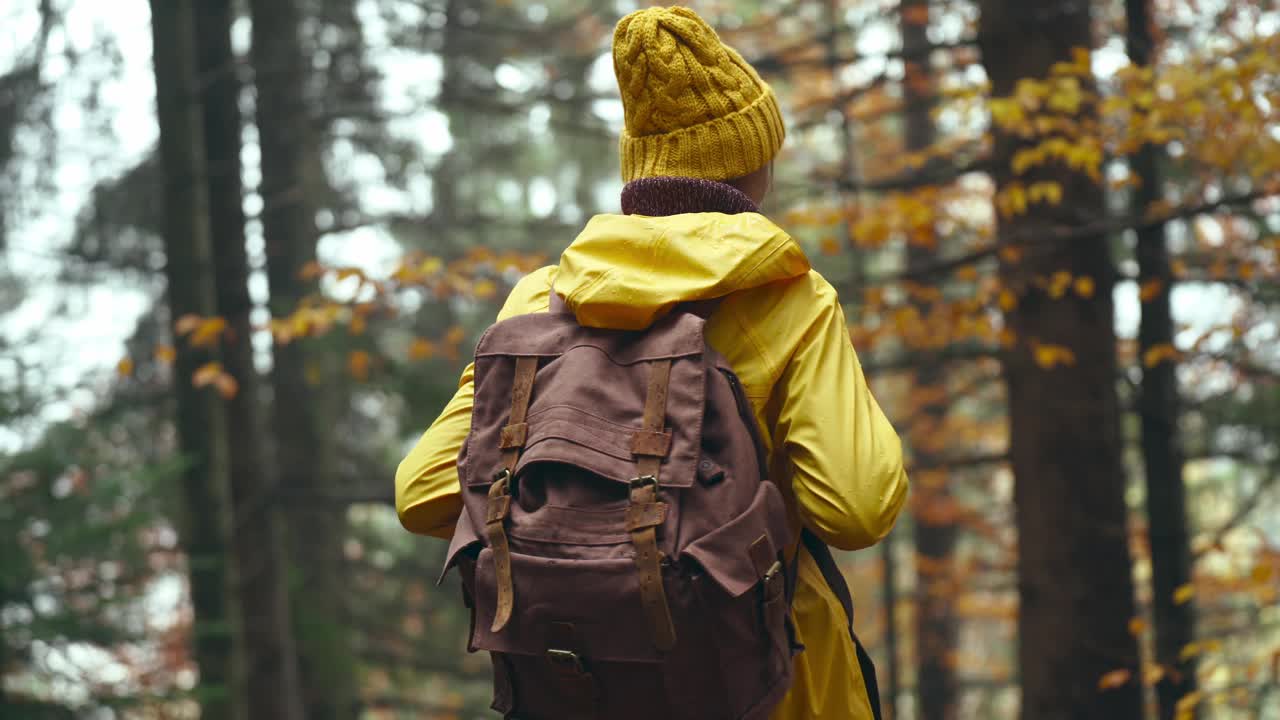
269	656
190	290
935	540
1074	580
1158	406
292	175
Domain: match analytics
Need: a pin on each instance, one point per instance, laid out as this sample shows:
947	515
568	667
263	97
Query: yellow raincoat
781	327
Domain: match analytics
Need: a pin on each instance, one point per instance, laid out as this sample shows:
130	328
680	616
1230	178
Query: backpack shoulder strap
835	580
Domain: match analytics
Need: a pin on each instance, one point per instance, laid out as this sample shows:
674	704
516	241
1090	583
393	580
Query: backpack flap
587	405
740	553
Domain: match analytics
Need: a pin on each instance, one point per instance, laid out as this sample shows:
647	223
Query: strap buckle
642	481
566	662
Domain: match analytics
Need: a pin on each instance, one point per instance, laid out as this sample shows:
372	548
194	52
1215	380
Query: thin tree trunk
291	173
1074	577
189	290
1158	407
270	658
935	543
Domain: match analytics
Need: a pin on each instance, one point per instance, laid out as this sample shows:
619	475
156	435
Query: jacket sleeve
845	457
427	493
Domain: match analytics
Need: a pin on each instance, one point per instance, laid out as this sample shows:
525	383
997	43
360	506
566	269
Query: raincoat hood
626	271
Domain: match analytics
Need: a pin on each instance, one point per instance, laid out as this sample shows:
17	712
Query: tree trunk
189	289
291	174
1074	579
1158	408
935	543
270	659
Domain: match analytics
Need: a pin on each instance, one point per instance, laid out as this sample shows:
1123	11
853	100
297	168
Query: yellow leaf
1059	283
1150	289
1084	287
421	349
1183	594
165	354
431	266
455	335
208	331
226	385
1153	674
485	289
1114	679
1157	354
124	368
1008	301
357	325
206	374
1050	356
186	324
967	273
1187	702
1261	573
358	364
1137	626
830	246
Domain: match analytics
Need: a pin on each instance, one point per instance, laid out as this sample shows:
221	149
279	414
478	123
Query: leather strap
835	580
646	513
499	507
581	692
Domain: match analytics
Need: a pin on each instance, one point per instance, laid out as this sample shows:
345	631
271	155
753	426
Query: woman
702	131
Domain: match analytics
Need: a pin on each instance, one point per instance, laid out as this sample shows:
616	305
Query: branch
1242	513
1054	234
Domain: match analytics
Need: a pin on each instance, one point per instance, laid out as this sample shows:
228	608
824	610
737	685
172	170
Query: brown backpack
621	549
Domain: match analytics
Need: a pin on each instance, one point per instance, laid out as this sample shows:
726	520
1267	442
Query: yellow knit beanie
693	106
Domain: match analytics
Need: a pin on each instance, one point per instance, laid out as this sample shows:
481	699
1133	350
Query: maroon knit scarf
661	196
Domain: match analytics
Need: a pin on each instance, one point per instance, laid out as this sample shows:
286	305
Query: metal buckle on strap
643	480
566	662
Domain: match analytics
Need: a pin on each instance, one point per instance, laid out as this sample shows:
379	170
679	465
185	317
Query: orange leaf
455	335
485	289
358	364
208	331
206	374
916	14
1150	289
227	386
1157	354
165	354
421	349
311	270
1084	287
357	325
967	272
186	324
1137	626
1114	679
124	368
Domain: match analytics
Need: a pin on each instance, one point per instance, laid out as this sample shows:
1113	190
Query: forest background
246	247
